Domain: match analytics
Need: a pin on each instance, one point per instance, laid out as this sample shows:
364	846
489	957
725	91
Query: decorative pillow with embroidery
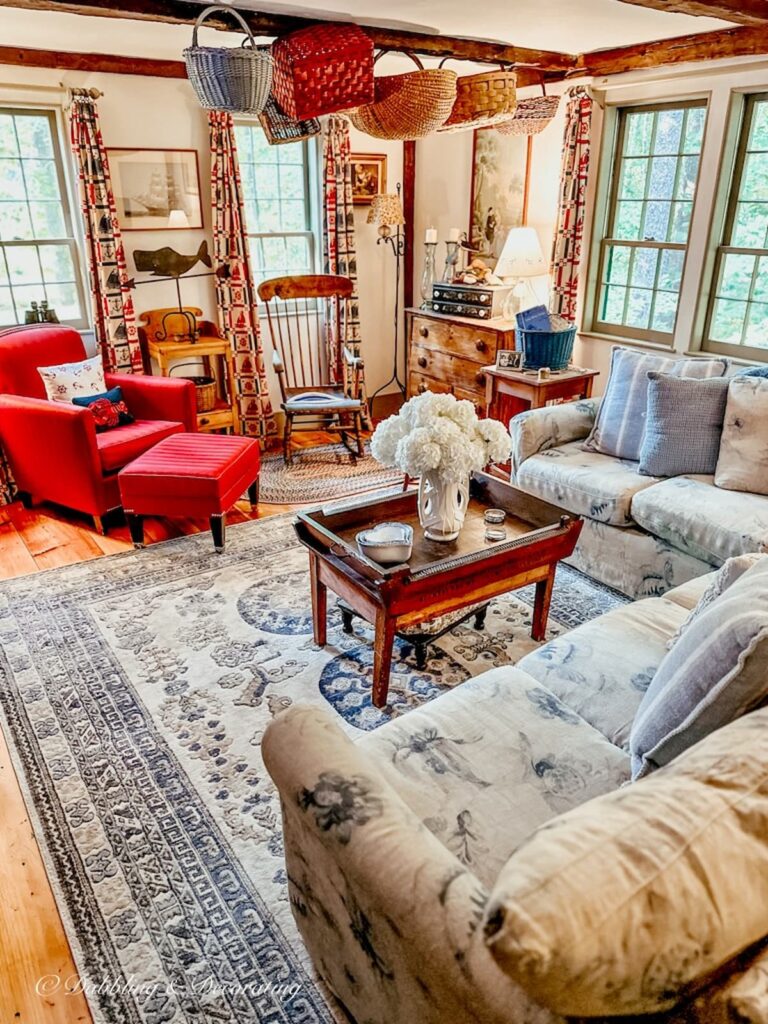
68	381
108	410
742	464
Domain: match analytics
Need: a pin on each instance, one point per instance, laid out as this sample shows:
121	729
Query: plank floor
34	951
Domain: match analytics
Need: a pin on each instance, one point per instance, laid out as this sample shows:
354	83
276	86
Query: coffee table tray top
529	521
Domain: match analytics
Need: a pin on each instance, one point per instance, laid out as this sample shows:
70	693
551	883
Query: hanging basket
322	69
279	128
235	80
408	106
531	117
482	100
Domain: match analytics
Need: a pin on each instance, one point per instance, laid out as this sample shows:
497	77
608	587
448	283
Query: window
738	309
655	170
278	203
39	259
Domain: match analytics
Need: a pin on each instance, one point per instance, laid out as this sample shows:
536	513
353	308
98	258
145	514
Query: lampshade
178	219
521	255
386	208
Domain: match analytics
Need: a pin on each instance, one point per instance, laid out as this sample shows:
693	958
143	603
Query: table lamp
387	211
178	219
521	259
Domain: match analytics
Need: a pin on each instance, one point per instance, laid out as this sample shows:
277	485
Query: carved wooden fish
166	262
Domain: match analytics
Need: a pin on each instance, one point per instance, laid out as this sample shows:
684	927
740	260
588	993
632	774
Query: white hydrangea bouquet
442	440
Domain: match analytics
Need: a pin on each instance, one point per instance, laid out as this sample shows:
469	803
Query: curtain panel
235	291
114	319
569	230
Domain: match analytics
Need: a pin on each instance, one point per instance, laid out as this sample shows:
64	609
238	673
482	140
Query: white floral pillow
73	380
742	464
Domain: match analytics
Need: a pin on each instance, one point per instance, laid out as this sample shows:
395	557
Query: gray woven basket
233	79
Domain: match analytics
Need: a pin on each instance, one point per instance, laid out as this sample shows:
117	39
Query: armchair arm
539	429
157	398
52	451
390	916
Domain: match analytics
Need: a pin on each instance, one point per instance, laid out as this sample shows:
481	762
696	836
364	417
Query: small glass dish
387	543
494	516
495	533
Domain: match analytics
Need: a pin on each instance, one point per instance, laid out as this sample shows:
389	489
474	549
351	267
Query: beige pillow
73	380
626	904
742	464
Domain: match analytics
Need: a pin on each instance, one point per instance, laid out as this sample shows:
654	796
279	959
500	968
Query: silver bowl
386	543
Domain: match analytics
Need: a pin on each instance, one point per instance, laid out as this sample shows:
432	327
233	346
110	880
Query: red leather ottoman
190	475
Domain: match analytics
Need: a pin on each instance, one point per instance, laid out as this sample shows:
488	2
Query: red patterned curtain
566	249
113	314
236	294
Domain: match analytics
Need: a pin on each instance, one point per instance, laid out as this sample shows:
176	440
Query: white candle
453	235
431	235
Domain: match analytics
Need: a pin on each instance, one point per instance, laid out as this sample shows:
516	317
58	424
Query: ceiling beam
705	46
90	62
743	12
184	12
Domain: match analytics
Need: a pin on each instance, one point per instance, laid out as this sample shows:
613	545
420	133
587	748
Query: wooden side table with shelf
509	392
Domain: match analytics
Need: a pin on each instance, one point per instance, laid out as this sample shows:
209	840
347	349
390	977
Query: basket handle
503	65
406	53
180	366
230	10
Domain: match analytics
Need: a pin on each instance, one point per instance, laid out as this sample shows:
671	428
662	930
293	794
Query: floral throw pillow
108	410
742	464
68	381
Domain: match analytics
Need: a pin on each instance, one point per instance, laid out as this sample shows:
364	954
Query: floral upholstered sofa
641	535
398	844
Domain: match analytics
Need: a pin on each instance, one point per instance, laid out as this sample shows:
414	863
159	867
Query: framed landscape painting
369	176
150	184
499	200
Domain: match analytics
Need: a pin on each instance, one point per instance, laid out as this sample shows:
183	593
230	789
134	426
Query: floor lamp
387	211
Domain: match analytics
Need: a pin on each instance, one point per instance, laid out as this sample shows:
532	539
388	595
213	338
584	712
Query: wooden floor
36	966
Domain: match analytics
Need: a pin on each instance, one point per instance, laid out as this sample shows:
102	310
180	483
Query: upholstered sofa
642	535
396	843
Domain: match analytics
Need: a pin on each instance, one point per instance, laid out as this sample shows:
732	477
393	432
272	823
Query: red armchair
53	449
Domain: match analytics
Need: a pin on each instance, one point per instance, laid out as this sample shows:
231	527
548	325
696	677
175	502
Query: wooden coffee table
439	578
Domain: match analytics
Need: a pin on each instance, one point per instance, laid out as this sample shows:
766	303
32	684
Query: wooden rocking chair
307	316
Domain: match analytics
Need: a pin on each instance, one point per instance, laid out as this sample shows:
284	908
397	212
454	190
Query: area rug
322	474
135	691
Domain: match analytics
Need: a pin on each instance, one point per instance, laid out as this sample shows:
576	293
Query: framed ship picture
156	189
499	199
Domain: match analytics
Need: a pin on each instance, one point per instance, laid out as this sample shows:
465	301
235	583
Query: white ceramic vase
442	506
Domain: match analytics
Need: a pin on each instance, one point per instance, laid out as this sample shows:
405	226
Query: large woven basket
408	106
482	100
531	117
236	80
205	387
279	128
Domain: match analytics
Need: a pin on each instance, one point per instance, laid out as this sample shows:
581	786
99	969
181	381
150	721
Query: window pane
613	305
639	307
680	222
11	180
757	325
644	267
755	180
23	264
760	290
34	135
750	228
669	128
758	134
617	264
15	222
7	310
728	321
628	221
47	220
56	261
664	312
694	130
41	179
656	226
64	299
662	183
671	269
8	145
639	130
736	276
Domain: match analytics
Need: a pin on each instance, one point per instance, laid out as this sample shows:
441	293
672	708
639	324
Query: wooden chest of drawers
447	354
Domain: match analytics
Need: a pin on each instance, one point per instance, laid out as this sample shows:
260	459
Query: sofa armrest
390	916
539	429
157	398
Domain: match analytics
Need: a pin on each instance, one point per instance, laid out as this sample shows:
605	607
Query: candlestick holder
451	261
428	274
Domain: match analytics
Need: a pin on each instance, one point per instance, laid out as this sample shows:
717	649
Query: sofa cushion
119	446
743	461
620	423
685	421
602	669
627	903
486	763
717	671
597	486
701	519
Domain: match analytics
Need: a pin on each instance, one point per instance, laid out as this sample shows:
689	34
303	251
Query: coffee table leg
319	601
382	657
541	605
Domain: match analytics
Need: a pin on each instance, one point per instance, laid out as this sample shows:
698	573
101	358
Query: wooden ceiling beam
90	62
183	12
743	12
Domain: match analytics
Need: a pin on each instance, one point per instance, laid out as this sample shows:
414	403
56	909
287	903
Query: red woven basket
322	69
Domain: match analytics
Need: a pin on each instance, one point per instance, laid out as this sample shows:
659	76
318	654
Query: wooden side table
509	392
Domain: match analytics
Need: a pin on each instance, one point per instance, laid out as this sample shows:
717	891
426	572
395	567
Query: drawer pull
480	377
424	332
203	422
422	361
422	388
481	345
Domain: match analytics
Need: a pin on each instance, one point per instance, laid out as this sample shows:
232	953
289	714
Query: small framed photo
156	189
369	176
509	359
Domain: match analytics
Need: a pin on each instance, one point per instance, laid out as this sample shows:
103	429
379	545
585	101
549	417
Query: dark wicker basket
280	128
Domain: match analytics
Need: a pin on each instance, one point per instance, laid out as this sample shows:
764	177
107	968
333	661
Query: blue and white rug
135	691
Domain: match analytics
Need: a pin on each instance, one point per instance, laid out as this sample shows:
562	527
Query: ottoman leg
253	492
218	529
136	527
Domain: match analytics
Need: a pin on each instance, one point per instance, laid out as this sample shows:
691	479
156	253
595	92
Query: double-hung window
737	317
39	258
653	187
280	207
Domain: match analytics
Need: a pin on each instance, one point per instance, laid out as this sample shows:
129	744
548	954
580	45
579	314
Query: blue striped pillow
620	425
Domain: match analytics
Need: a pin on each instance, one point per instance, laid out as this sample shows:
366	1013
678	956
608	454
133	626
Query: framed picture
156	189
369	176
499	200
509	359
